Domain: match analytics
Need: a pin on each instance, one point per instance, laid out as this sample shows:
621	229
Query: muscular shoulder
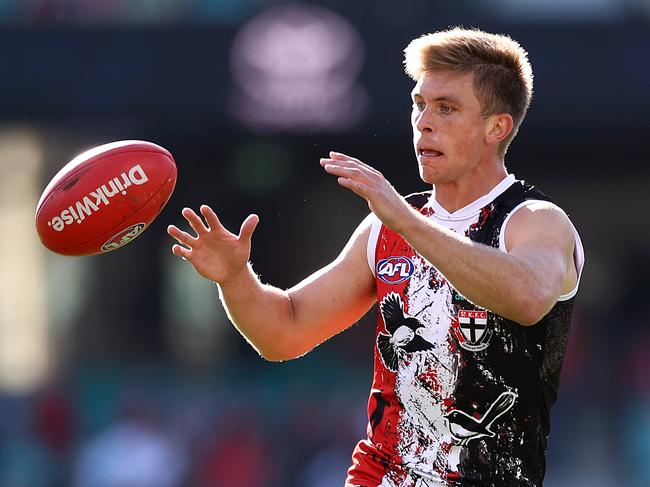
356	250
359	238
541	231
539	219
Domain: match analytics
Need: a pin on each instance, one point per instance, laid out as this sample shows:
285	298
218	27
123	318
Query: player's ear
498	128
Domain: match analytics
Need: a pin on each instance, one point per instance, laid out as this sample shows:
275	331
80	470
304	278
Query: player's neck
457	194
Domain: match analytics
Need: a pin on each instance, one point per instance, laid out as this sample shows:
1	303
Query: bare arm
521	285
279	324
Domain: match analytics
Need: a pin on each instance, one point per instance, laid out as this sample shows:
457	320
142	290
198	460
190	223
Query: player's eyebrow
443	98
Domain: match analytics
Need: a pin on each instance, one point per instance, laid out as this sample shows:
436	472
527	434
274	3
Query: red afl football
105	197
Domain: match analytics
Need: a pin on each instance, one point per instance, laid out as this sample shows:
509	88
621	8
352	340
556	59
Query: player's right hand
215	253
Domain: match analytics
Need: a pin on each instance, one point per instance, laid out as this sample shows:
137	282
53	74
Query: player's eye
419	105
445	109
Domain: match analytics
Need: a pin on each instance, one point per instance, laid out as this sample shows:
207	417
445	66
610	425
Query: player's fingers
355	186
332	164
337	170
341	156
195	221
211	218
248	227
181	236
181	251
328	161
340	159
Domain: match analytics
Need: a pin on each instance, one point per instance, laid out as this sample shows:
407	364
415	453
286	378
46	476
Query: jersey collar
475	206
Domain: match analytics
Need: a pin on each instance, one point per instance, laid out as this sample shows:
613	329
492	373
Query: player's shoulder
534	217
539	210
527	203
366	224
364	231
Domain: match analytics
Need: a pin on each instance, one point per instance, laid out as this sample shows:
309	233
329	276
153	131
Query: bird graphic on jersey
378	413
464	427
404	332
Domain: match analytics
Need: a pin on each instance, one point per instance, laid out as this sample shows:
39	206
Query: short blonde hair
503	76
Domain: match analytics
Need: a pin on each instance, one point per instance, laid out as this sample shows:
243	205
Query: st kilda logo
394	270
472	330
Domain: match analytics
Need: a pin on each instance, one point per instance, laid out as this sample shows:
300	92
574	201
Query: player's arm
521	285
279	324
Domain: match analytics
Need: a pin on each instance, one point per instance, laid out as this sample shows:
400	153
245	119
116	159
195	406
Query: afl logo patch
394	270
124	237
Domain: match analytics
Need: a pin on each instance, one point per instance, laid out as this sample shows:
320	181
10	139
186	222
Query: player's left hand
364	180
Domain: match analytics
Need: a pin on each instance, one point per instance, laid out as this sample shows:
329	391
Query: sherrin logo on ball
105	197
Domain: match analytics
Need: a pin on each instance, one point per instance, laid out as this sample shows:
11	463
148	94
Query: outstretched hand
214	252
383	200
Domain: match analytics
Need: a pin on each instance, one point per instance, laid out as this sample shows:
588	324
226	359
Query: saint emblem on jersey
464	427
404	332
472	329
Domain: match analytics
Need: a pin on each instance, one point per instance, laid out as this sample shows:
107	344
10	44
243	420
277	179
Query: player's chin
428	175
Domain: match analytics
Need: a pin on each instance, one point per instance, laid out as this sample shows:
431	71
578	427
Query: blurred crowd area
146	426
248	423
122	370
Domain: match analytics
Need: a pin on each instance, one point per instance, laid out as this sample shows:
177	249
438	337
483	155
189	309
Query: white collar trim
475	206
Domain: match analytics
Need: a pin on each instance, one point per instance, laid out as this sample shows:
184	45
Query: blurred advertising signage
295	70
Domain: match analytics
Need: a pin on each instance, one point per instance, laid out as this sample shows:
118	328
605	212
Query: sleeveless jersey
460	396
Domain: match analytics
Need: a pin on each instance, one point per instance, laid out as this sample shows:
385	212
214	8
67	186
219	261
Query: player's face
448	129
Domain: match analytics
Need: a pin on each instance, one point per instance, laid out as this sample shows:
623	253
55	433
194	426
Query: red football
105	197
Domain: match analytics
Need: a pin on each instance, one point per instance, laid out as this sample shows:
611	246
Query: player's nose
422	121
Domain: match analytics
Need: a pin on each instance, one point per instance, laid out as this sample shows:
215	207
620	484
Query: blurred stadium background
121	370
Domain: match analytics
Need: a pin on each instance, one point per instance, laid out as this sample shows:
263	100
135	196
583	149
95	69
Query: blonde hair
503	76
